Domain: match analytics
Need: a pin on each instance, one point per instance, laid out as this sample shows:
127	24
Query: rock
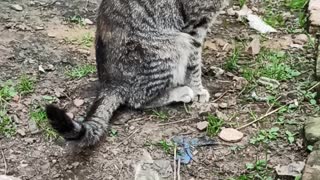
231	12
312	132
21	132
210	45
38	28
202	125
78	102
4	177
244	11
218	72
71	116
223	105
293	169
147	168
254	47
16	98
300	39
41	69
314	17
240	83
33	127
230	135
88	21
16	7
312	168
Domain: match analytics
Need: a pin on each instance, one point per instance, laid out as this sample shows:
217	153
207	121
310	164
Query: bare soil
37	36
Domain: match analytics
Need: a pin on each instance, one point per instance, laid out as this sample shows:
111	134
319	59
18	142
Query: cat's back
140	16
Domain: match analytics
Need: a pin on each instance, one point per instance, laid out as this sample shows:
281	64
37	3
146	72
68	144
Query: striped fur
148	54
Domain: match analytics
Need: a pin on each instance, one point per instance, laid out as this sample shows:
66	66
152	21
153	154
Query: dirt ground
41	42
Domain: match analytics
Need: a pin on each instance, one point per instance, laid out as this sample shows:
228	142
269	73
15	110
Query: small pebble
16	7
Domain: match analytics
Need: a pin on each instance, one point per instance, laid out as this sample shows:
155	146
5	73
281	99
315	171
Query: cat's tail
89	131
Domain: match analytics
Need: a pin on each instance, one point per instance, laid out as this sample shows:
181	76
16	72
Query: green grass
270	64
77	19
166	146
87	40
297	4
274	19
160	115
39	116
7	126
242	2
231	63
7	92
265	136
81	71
214	126
25	85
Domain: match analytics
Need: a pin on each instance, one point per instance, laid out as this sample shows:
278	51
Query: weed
258	170
25	85
113	132
242	2
76	19
290	137
297	4
7	91
214	125
265	136
310	148
231	63
7	126
249	74
167	147
274	18
40	118
87	40
160	114
81	71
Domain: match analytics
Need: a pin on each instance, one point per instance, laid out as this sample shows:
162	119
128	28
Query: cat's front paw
201	95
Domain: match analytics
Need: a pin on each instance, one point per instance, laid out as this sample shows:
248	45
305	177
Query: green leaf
249	166
310	147
313	102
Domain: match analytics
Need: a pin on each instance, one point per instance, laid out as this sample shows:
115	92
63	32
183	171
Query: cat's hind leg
193	77
178	94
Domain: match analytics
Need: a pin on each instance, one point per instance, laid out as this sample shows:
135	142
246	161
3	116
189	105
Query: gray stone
312	130
312	168
16	7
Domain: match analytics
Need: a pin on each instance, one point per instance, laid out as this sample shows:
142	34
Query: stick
262	117
314	86
175	122
223	94
179	162
175	163
5	163
128	137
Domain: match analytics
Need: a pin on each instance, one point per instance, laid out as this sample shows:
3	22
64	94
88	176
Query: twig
314	86
128	137
5	163
273	105
223	94
175	122
136	120
175	163
179	163
262	117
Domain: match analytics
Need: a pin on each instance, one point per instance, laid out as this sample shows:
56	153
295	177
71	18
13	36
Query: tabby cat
148	54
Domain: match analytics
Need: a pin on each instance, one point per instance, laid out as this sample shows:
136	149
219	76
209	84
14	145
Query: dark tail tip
59	120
